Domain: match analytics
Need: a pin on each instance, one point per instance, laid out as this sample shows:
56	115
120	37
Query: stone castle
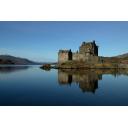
88	52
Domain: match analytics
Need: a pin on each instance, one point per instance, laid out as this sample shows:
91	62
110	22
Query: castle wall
93	59
63	57
79	57
75	56
85	58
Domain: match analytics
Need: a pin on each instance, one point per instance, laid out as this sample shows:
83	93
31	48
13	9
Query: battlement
64	51
89	43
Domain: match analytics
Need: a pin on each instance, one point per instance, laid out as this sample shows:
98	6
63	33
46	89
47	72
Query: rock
46	67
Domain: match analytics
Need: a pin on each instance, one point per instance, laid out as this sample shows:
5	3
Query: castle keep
88	52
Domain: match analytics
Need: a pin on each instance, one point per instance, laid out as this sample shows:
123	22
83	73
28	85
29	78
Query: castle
88	52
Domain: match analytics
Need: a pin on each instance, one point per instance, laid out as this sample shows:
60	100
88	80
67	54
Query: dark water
31	86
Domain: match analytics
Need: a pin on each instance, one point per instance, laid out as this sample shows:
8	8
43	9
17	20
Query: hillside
123	55
7	59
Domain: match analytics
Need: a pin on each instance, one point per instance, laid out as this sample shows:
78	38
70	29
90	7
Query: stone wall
75	56
93	59
83	57
62	57
79	57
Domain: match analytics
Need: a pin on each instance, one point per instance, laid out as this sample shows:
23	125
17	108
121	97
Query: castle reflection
87	80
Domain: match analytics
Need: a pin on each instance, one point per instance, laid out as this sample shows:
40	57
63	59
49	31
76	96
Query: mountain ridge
122	55
8	59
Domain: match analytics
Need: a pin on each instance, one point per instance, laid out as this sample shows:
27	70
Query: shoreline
85	66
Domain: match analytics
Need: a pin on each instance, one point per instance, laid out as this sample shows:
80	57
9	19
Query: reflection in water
24	86
86	79
9	69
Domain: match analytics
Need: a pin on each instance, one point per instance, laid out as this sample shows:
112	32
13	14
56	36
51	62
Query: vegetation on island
46	67
106	63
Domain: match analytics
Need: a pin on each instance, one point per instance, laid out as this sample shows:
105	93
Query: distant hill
122	56
7	59
117	59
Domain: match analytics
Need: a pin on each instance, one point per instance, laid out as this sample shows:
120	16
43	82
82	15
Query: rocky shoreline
83	65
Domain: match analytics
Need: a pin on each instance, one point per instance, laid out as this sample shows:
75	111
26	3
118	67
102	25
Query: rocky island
87	58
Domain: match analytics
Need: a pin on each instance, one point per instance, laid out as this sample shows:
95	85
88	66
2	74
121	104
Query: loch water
32	86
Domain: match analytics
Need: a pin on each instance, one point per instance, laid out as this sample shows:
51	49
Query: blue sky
40	41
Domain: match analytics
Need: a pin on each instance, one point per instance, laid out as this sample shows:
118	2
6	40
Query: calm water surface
31	86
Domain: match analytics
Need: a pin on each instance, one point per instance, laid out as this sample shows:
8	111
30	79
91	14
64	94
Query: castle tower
64	55
89	49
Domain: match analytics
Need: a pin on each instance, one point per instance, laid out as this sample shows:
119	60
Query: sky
41	41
